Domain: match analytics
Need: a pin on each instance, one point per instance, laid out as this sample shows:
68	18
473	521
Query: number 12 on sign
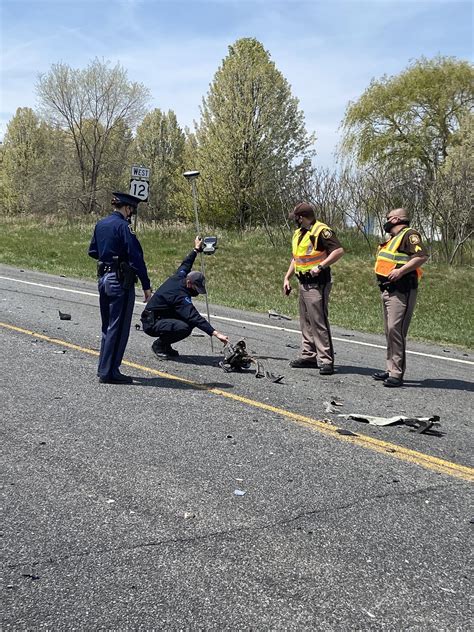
139	188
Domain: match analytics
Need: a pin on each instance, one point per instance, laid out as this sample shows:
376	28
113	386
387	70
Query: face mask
387	227
193	292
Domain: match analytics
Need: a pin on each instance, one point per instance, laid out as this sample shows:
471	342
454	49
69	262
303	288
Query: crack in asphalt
229	532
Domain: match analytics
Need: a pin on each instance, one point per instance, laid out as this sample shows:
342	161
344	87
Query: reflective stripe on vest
305	256
388	256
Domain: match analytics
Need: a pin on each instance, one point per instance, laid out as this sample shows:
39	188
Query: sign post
140	184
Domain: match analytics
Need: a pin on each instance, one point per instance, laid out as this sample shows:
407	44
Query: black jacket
173	299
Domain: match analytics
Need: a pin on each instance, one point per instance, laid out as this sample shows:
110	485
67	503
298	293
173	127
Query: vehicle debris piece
419	424
137	326
237	359
347	433
330	406
63	315
273	314
239	492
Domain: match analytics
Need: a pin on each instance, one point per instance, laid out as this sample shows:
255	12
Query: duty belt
104	268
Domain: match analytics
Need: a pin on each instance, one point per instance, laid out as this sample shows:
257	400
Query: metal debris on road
63	315
137	326
419	424
239	492
273	314
330	406
347	433
189	515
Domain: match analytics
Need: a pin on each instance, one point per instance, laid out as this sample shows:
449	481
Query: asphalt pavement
196	499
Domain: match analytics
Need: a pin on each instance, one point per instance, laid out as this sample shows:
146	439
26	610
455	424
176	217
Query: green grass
247	273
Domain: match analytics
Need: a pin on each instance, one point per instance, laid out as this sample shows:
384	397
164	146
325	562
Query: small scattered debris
229	437
63	315
137	326
239	492
189	515
58	397
110	501
42	443
273	314
59	352
30	576
348	335
63	276
347	433
239	480
330	406
292	346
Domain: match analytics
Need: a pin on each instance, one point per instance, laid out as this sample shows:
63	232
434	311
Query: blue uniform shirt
113	237
173	299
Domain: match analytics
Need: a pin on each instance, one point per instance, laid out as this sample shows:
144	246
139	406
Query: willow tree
410	119
250	138
91	105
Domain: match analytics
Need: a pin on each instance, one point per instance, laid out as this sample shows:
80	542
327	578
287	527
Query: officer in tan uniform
314	247
398	269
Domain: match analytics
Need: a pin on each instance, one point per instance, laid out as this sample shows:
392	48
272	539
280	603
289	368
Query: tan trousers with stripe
397	312
316	341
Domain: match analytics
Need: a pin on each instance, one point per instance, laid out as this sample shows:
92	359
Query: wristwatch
321	267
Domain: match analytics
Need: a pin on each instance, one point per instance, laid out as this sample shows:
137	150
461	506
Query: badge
327	233
414	239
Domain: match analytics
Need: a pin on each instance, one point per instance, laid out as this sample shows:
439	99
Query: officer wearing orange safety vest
398	269
314	247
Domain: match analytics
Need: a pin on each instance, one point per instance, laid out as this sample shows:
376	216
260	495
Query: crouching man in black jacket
170	315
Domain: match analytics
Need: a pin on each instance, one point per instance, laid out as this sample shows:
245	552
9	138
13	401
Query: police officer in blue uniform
170	315
120	261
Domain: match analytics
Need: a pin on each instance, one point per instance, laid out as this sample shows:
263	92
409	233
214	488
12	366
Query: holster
126	275
308	279
148	319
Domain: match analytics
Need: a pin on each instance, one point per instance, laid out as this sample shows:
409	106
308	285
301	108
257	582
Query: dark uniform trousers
116	309
397	312
316	341
168	330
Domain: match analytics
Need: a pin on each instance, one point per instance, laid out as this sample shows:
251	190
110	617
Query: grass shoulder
247	273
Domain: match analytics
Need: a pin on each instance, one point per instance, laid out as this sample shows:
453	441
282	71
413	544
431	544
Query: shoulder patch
414	238
326	233
187	299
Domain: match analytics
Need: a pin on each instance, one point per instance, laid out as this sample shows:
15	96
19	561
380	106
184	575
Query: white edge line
249	322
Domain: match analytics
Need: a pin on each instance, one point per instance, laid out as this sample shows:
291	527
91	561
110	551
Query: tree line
407	141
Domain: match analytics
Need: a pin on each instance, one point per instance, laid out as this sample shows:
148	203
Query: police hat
125	199
303	209
198	280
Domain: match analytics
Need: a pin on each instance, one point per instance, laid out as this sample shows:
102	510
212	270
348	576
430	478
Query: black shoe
118	379
326	369
304	363
393	382
381	375
162	350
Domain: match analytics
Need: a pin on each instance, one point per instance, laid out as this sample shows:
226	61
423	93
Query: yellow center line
377	445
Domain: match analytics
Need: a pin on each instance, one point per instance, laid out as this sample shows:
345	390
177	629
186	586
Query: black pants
168	330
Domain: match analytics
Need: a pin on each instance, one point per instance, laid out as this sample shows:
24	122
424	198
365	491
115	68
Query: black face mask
387	227
193	292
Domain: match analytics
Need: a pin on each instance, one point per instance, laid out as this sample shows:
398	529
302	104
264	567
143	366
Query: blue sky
328	50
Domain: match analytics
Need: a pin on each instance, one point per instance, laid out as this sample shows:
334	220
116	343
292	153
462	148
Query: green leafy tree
250	138
410	119
160	144
26	162
91	105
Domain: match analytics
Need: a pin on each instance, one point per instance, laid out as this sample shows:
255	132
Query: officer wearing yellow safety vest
314	247
398	269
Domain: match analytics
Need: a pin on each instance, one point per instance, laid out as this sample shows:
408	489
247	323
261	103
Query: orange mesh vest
389	258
